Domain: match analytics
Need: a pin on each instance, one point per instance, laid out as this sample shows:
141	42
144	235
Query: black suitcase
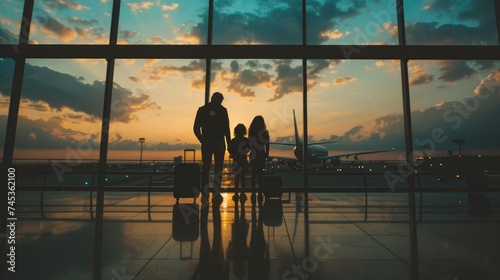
187	178
272	187
273	212
186	225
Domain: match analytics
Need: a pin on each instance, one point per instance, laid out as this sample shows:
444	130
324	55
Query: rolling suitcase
272	187
187	178
273	212
185	226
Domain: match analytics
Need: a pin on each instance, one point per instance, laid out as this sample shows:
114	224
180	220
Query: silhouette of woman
258	136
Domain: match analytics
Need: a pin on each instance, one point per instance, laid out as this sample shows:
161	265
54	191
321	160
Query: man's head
217	98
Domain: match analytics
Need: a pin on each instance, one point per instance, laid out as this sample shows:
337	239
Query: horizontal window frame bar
253	51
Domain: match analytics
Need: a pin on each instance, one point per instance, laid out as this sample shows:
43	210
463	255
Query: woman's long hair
256	126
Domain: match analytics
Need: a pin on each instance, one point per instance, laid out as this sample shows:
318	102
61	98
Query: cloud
82	22
172	7
248	78
432	33
335	34
285	79
489	85
157	72
157	40
64	5
54	27
278	24
455	70
419	76
7	37
127	34
45	87
288	79
344	80
48	134
475	119
140	7
322	17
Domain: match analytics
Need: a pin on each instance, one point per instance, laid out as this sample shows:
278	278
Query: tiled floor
326	238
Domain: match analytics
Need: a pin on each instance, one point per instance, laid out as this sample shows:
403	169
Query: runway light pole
141	140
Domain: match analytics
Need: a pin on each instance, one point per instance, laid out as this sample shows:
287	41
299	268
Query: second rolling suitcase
187	179
272	187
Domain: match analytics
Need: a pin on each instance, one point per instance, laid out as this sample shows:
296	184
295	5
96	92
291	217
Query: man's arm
227	130
197	126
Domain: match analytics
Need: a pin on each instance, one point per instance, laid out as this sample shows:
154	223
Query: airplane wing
355	154
280	158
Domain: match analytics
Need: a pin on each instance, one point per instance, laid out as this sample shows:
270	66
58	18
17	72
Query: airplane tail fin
298	142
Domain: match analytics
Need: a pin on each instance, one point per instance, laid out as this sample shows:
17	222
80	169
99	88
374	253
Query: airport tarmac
320	235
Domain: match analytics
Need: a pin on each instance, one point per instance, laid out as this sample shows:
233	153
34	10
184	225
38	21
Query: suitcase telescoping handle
190	150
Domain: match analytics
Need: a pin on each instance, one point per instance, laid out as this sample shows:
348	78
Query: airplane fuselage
315	153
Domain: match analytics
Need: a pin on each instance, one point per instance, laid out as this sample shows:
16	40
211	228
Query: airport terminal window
467	22
270	88
357	104
352	22
156	100
60	110
257	22
6	70
171	23
71	22
460	99
11	13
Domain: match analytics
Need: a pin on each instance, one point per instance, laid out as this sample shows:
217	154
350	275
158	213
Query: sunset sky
356	102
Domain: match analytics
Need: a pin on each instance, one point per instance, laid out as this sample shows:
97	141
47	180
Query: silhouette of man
211	127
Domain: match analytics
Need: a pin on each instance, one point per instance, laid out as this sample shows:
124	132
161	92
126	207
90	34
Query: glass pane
181	22
455	114
156	100
352	22
466	22
60	110
71	22
358	105
11	13
455	100
257	22
269	88
6	75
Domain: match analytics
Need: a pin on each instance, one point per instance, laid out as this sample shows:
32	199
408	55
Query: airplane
316	152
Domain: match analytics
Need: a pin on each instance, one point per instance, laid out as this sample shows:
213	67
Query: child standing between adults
238	149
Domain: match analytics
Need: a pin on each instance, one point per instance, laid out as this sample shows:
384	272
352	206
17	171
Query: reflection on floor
326	238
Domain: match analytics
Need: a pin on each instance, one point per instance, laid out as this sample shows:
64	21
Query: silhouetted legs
240	171
218	152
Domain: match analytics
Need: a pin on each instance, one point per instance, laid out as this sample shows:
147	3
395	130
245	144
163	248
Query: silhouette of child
238	149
